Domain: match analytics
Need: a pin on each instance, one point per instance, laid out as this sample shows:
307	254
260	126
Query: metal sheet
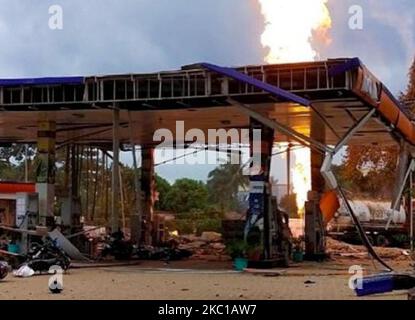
67	246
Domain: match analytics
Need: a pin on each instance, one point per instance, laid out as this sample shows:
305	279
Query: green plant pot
240	264
298	256
13	248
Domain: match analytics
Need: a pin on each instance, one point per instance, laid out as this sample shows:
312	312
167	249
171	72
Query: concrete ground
197	280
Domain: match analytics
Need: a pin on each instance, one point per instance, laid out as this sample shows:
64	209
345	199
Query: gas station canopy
330	96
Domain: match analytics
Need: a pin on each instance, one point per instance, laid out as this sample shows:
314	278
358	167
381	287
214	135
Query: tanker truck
373	216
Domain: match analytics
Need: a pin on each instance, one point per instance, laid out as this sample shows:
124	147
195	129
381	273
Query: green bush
189	226
198	221
184	226
237	249
214	225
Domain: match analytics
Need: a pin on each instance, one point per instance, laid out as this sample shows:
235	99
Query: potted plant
237	250
255	248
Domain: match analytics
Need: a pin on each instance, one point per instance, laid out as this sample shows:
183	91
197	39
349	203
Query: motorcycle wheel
4	270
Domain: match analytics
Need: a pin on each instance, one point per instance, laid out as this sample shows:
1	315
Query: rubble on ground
342	249
209	246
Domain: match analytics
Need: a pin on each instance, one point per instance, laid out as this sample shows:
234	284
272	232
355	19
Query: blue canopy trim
42	81
342	68
239	76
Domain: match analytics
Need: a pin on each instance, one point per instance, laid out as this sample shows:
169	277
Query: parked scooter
41	257
116	246
164	254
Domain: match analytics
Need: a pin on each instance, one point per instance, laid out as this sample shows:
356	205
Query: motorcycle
4	270
41	257
118	248
162	253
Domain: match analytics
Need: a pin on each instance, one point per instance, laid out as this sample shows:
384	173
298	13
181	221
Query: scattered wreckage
41	258
116	246
55	250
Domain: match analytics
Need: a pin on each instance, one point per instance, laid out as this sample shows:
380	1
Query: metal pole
288	178
122	201
398	197
115	184
26	164
411	211
294	135
137	186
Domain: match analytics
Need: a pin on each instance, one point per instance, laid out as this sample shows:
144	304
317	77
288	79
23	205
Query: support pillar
411	211
403	164
136	218
115	185
314	227
317	159
71	207
45	174
148	188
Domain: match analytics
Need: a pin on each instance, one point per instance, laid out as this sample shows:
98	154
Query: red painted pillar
148	187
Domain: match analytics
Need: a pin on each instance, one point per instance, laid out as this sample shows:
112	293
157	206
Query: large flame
291	26
301	176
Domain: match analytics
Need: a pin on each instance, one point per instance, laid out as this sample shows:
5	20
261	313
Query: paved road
177	282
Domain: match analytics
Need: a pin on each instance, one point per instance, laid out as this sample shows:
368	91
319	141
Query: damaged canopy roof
328	95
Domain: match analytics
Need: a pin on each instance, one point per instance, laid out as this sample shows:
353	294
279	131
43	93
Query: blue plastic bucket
13	248
240	264
380	283
298	256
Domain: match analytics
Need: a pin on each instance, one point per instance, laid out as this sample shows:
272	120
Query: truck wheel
382	241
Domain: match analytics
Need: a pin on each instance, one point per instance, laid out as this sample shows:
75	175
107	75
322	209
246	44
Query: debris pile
342	249
209	246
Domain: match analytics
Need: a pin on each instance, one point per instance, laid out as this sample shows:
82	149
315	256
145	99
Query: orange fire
301	176
291	28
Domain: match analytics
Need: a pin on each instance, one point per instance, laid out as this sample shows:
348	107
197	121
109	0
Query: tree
12	165
17	152
409	96
187	195
163	188
369	170
224	183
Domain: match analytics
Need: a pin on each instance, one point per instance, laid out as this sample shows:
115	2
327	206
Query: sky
117	36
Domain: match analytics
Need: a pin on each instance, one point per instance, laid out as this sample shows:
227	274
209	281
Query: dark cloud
117	36
112	36
387	42
107	36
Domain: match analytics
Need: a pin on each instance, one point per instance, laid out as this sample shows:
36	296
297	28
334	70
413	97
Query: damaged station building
323	106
